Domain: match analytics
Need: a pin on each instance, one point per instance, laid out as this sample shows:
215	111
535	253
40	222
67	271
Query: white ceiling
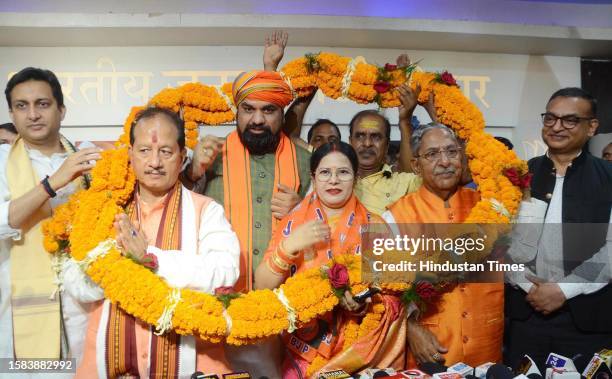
190	22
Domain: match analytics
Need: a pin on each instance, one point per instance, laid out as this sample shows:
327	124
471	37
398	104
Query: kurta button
464	314
388	194
256	252
259	199
262	175
549	196
258	224
465	339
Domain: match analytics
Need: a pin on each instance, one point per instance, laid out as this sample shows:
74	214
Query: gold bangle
279	263
274	271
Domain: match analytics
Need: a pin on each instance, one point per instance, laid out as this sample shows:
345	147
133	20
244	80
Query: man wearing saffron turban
258	175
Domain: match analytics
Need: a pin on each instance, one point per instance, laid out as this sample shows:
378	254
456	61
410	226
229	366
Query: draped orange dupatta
237	194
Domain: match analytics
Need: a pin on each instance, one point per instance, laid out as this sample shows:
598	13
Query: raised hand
74	166
408	99
403	61
274	49
283	201
204	154
306	235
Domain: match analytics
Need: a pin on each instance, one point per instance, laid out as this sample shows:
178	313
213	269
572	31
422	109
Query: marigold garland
87	219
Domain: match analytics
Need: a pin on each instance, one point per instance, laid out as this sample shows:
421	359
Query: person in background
321	132
606	153
8	133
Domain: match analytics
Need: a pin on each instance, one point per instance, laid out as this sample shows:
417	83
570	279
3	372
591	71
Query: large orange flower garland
86	221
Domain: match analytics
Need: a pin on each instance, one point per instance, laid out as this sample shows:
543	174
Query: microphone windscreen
499	371
431	368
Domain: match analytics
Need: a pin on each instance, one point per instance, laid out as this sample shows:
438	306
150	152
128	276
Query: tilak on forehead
154	135
369	123
266	86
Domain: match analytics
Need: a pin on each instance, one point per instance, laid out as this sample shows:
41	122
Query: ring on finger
436	356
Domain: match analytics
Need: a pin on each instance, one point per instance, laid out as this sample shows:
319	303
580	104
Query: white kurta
74	313
209	258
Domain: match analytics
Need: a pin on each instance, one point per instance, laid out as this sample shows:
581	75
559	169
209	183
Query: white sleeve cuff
573	289
5	229
532	211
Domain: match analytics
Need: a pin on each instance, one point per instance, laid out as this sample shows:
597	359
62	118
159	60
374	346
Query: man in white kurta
204	257
36	175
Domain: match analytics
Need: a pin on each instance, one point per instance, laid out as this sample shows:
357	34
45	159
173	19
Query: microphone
447	375
201	375
527	366
481	371
411	374
336	374
555	360
431	368
561	373
370	373
597	369
461	369
237	375
499	371
534	376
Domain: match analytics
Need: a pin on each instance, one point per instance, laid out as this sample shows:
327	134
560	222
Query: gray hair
419	133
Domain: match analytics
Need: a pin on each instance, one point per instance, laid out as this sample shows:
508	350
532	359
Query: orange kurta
467	320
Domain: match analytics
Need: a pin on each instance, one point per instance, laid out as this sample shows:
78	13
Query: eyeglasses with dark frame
435	155
568	122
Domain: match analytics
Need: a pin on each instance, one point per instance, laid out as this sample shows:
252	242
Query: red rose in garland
338	276
425	290
447	78
382	87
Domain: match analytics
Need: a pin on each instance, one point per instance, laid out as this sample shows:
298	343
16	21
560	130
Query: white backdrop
101	84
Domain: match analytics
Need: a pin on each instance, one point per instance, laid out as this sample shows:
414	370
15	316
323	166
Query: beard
259	144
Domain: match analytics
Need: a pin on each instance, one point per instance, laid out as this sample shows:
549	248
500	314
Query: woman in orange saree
329	222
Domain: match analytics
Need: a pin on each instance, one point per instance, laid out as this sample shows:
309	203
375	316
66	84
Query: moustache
443	171
156	172
368	151
258	127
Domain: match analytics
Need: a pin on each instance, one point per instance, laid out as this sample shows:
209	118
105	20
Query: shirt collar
386	171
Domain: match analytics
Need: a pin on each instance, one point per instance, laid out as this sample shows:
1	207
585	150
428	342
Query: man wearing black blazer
562	303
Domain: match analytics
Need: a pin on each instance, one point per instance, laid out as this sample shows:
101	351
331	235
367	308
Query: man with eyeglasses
466	322
563	303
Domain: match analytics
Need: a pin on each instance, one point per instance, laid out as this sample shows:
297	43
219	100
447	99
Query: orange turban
262	85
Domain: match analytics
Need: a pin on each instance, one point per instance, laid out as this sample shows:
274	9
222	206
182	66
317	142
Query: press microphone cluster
557	367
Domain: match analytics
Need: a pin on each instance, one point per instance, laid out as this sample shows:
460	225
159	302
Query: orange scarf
345	237
120	349
237	196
